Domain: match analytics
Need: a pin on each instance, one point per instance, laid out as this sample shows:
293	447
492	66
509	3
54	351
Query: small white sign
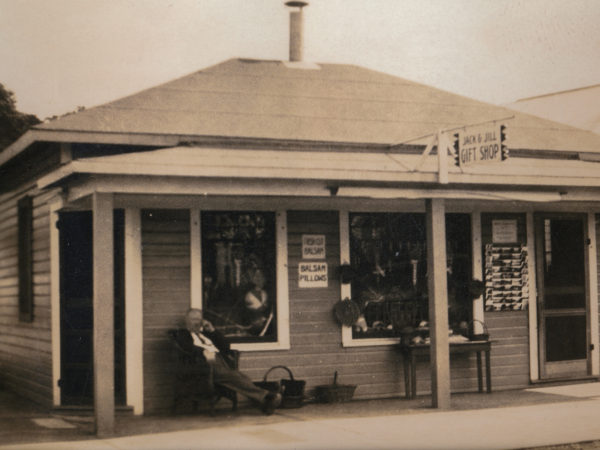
504	231
313	246
312	275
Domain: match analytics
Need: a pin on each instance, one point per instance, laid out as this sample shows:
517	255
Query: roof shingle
243	98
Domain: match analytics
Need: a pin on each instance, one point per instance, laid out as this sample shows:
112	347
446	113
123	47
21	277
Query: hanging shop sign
482	144
312	275
313	246
504	231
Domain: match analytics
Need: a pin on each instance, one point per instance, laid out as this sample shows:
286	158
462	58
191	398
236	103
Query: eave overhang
351	174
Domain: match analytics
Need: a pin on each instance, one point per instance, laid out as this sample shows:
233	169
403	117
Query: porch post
103	304
437	284
134	311
592	267
534	367
55	298
477	270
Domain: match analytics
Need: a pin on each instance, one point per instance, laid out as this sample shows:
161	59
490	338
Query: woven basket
334	393
292	391
346	312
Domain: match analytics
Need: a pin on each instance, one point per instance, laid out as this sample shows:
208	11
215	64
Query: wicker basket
346	312
334	393
292	391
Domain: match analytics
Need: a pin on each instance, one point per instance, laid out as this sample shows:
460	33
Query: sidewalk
513	419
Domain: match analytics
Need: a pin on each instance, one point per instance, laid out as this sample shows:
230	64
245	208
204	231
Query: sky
58	55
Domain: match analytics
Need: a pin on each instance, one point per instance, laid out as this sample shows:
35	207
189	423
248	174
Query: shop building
254	180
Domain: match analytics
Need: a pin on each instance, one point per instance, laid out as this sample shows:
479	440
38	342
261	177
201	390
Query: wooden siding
316	339
316	344
510	352
25	347
508	329
166	293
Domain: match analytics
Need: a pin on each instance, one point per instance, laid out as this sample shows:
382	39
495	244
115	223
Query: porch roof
341	168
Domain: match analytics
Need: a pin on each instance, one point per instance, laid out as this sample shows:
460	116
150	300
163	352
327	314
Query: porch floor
23	422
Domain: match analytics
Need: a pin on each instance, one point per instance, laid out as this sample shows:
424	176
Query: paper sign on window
313	246
504	231
312	275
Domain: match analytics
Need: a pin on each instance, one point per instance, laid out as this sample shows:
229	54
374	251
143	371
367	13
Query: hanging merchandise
346	312
506	278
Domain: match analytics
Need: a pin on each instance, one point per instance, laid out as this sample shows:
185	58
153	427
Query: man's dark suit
222	372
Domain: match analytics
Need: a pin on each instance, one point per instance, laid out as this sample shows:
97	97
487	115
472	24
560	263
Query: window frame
281	271
25	257
346	291
477	264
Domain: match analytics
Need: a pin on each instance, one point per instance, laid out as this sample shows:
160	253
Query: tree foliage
12	122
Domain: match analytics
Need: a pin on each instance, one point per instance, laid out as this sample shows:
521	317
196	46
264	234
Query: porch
558	412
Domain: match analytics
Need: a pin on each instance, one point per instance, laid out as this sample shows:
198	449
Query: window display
388	255
461	286
239	274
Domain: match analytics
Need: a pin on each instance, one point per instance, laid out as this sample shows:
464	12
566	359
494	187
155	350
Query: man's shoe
271	402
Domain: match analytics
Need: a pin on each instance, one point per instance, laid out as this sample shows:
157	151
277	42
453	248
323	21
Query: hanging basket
291	390
476	288
347	273
346	312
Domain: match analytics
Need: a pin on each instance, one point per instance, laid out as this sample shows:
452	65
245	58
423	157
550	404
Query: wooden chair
193	378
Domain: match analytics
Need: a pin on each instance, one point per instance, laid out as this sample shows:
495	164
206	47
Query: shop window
388	255
461	289
25	258
239	274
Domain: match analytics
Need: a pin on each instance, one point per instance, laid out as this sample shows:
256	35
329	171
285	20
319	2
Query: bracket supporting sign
471	145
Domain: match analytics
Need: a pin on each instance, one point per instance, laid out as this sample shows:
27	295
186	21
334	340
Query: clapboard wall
316	343
25	347
166	291
315	337
316	340
510	352
508	329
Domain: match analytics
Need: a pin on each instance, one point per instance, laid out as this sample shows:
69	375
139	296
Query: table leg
405	363
413	375
488	372
479	372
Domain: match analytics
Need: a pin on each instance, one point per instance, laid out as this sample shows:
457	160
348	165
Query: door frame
544	373
59	397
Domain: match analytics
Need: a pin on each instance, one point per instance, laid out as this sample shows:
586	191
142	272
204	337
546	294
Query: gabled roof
577	107
252	99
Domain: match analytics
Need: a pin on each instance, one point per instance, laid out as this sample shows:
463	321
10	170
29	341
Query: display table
412	351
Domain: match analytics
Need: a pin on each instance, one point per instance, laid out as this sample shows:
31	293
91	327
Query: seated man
211	346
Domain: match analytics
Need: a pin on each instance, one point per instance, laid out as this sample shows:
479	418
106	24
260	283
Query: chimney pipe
296	30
